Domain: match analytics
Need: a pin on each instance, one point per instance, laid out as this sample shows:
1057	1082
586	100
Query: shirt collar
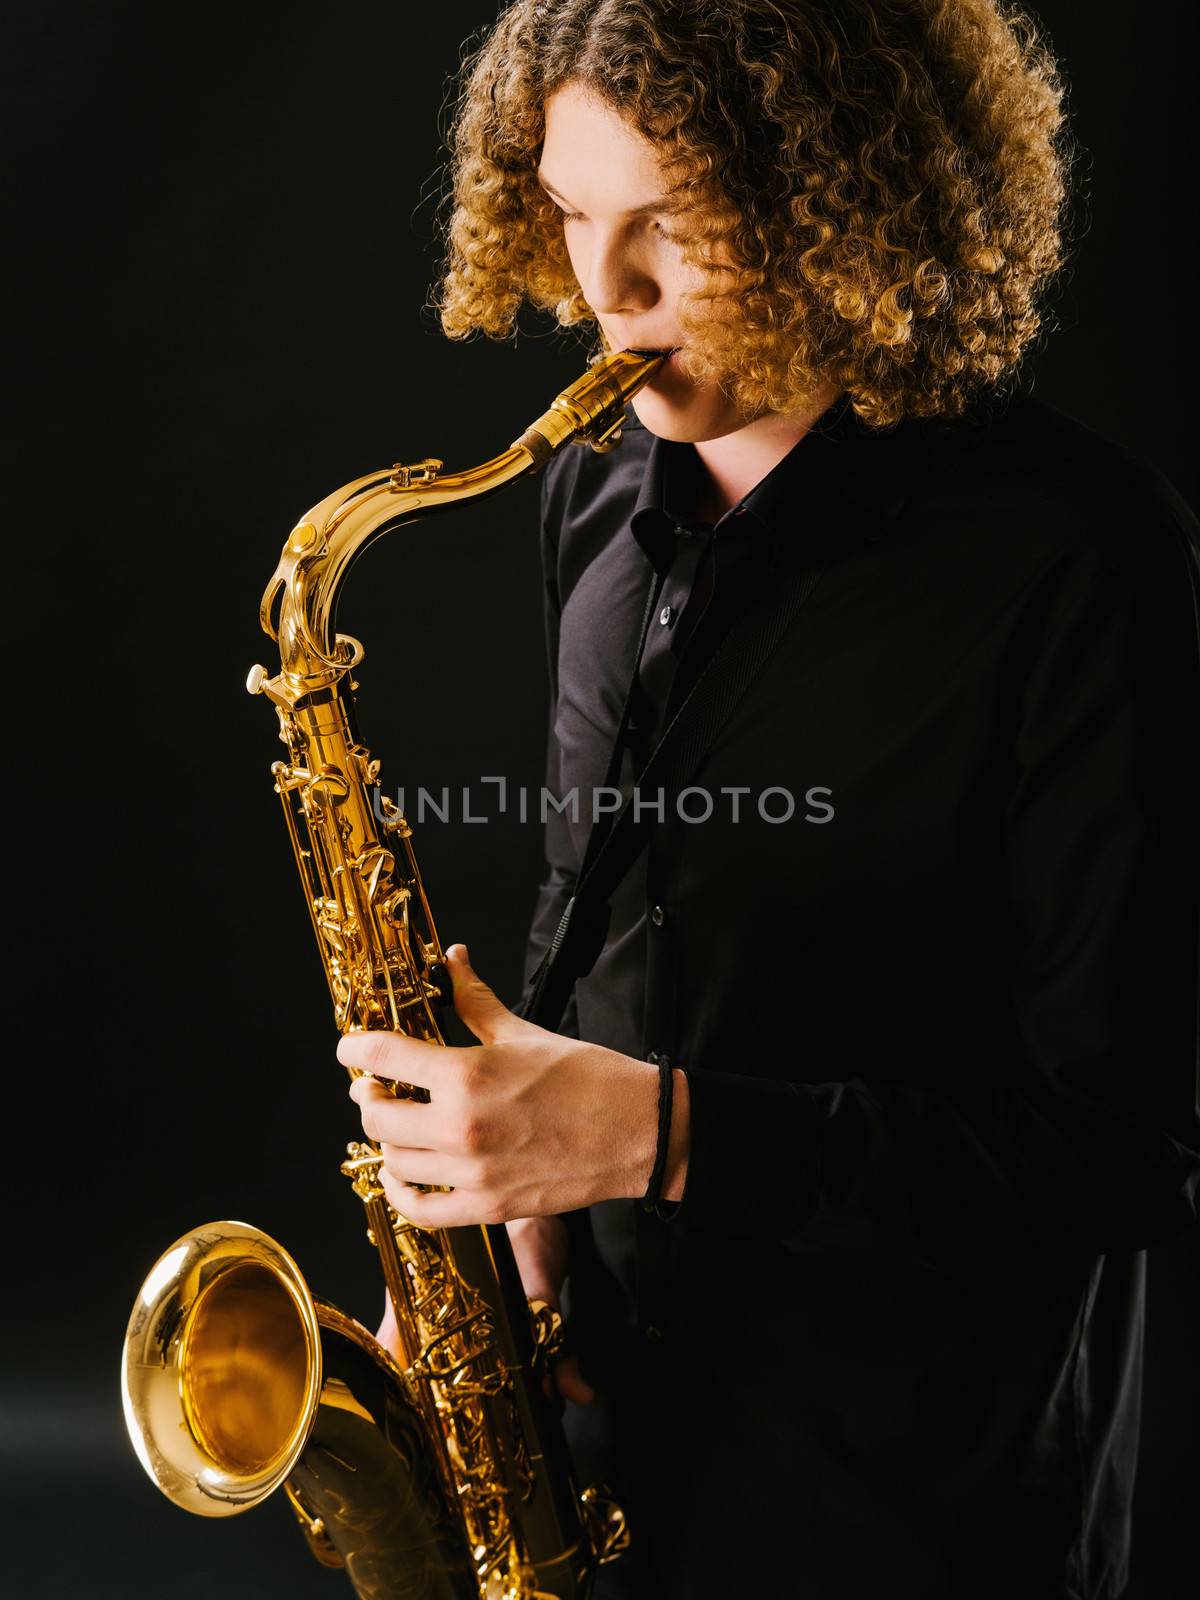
843	480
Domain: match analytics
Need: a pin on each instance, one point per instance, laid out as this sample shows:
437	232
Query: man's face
605	178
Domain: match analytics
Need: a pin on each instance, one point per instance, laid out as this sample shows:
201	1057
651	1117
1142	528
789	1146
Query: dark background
223	235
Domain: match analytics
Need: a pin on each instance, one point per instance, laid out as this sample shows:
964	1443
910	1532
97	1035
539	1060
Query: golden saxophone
442	1475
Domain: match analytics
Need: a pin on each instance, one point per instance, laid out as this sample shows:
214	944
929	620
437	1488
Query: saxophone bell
221	1371
237	1381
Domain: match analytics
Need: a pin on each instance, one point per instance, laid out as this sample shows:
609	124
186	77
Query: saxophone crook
443	1474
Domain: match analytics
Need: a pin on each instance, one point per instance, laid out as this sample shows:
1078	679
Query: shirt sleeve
558	881
1092	1139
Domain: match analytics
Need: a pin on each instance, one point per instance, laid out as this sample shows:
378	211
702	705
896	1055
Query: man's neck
736	462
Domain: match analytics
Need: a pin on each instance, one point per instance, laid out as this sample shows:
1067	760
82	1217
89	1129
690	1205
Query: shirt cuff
754	1160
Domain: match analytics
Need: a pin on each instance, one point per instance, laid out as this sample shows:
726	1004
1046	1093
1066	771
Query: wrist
640	1137
550	1228
679	1139
676	1136
539	1247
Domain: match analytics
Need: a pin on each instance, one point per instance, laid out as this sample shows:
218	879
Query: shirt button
658	916
654	1333
652	1058
665	615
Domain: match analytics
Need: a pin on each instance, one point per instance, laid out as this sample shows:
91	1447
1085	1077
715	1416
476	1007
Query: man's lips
670	366
670	351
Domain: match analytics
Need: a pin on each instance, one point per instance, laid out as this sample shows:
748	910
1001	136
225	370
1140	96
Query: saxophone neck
299	602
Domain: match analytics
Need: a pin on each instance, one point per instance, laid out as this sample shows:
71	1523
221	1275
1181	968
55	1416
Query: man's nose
617	283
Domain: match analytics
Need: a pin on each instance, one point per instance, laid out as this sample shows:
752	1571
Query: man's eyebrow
635	211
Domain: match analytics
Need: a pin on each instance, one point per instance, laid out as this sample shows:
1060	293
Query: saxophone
442	1474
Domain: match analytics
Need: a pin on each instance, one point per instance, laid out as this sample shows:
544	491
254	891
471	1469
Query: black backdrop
223	238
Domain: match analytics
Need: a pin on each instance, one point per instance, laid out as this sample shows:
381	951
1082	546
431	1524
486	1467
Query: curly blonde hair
888	178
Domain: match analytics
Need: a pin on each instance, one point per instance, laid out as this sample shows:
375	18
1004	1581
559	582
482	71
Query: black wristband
666	1094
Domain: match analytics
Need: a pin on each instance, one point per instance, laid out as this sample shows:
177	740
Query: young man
925	974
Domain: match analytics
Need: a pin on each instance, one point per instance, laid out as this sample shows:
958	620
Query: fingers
406	1165
464	1208
571	1383
565	1380
446	1124
398	1194
395	1055
478	1006
391	1121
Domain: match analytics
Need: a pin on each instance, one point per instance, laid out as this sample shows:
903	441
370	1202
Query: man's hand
539	1245
528	1124
387	1332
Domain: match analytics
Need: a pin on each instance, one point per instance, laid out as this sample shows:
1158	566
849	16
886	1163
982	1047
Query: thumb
571	1383
478	1006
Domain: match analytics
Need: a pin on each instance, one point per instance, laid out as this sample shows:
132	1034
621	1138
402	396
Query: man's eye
579	216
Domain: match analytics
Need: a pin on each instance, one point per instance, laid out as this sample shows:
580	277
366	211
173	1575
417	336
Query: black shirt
939	1017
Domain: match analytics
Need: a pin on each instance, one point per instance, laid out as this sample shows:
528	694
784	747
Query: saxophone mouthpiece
592	409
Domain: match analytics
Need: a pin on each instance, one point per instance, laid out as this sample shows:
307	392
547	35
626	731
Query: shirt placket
730	570
657	674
